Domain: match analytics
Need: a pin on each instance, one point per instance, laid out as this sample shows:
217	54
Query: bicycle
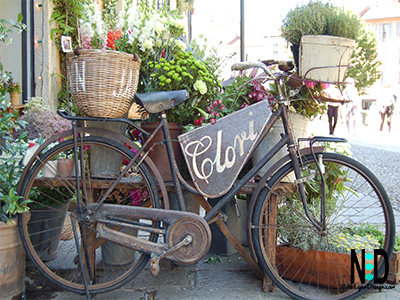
323	193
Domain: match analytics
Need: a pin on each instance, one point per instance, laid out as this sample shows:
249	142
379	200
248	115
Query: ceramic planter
12	263
65	167
159	154
14	97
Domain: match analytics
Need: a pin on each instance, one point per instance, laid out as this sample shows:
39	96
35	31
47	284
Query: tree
364	59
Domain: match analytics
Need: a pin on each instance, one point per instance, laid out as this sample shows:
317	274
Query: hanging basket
103	82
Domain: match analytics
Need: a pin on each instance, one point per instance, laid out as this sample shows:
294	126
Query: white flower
181	45
200	86
147	45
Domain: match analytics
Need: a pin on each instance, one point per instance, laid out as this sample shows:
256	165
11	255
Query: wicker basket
103	82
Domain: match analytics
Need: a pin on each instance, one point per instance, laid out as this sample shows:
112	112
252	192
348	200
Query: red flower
112	36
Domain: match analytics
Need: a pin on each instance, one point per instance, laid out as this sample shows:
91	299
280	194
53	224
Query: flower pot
105	163
65	166
159	154
12	263
48	223
300	127
50	169
322	51
114	254
14	97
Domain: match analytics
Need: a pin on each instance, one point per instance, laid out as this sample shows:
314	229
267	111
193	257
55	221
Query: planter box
334	268
394	269
320	51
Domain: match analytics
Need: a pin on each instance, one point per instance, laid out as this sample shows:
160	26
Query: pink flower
137	196
213	121
325	85
310	84
215	103
222	107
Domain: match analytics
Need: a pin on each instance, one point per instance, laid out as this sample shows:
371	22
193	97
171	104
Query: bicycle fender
58	138
261	184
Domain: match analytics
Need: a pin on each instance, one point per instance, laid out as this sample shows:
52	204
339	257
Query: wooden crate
394	269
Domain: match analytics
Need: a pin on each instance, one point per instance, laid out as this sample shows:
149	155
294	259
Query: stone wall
46	59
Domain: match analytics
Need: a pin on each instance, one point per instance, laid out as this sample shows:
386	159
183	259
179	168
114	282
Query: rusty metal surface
215	154
177	225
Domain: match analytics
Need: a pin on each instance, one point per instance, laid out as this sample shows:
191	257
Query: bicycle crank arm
187	235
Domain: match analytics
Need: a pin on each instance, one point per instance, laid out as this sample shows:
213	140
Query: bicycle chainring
200	232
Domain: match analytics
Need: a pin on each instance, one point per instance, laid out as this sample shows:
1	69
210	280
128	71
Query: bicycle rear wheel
304	261
104	265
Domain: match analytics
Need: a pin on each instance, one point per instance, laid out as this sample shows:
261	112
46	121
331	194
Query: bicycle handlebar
247	65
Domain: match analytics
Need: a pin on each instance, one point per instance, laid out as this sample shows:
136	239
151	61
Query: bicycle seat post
172	162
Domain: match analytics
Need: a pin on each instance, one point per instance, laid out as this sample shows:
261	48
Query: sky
261	17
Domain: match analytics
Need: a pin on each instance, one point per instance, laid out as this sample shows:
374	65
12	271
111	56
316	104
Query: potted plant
318	23
14	89
12	253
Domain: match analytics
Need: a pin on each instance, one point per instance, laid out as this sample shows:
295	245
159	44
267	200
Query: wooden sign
215	154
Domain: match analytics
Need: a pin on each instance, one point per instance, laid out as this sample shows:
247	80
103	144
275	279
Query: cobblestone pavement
232	278
379	151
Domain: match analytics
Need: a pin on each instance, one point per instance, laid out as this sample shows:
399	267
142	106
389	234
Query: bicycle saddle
155	102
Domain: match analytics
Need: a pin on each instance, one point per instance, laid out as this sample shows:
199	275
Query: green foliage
365	61
213	260
335	193
10	205
66	14
317	18
10	173
368	230
109	13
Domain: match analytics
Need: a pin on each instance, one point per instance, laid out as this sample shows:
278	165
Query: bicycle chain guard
188	235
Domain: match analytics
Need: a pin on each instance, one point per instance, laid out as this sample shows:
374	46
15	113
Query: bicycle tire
59	261
363	202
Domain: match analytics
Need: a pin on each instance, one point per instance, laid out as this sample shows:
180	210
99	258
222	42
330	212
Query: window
397	28
275	55
385	31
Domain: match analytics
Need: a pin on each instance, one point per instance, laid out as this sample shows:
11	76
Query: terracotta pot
333	268
65	167
12	262
159	154
14	97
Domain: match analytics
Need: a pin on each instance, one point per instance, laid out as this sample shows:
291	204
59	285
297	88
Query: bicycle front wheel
311	262
70	255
